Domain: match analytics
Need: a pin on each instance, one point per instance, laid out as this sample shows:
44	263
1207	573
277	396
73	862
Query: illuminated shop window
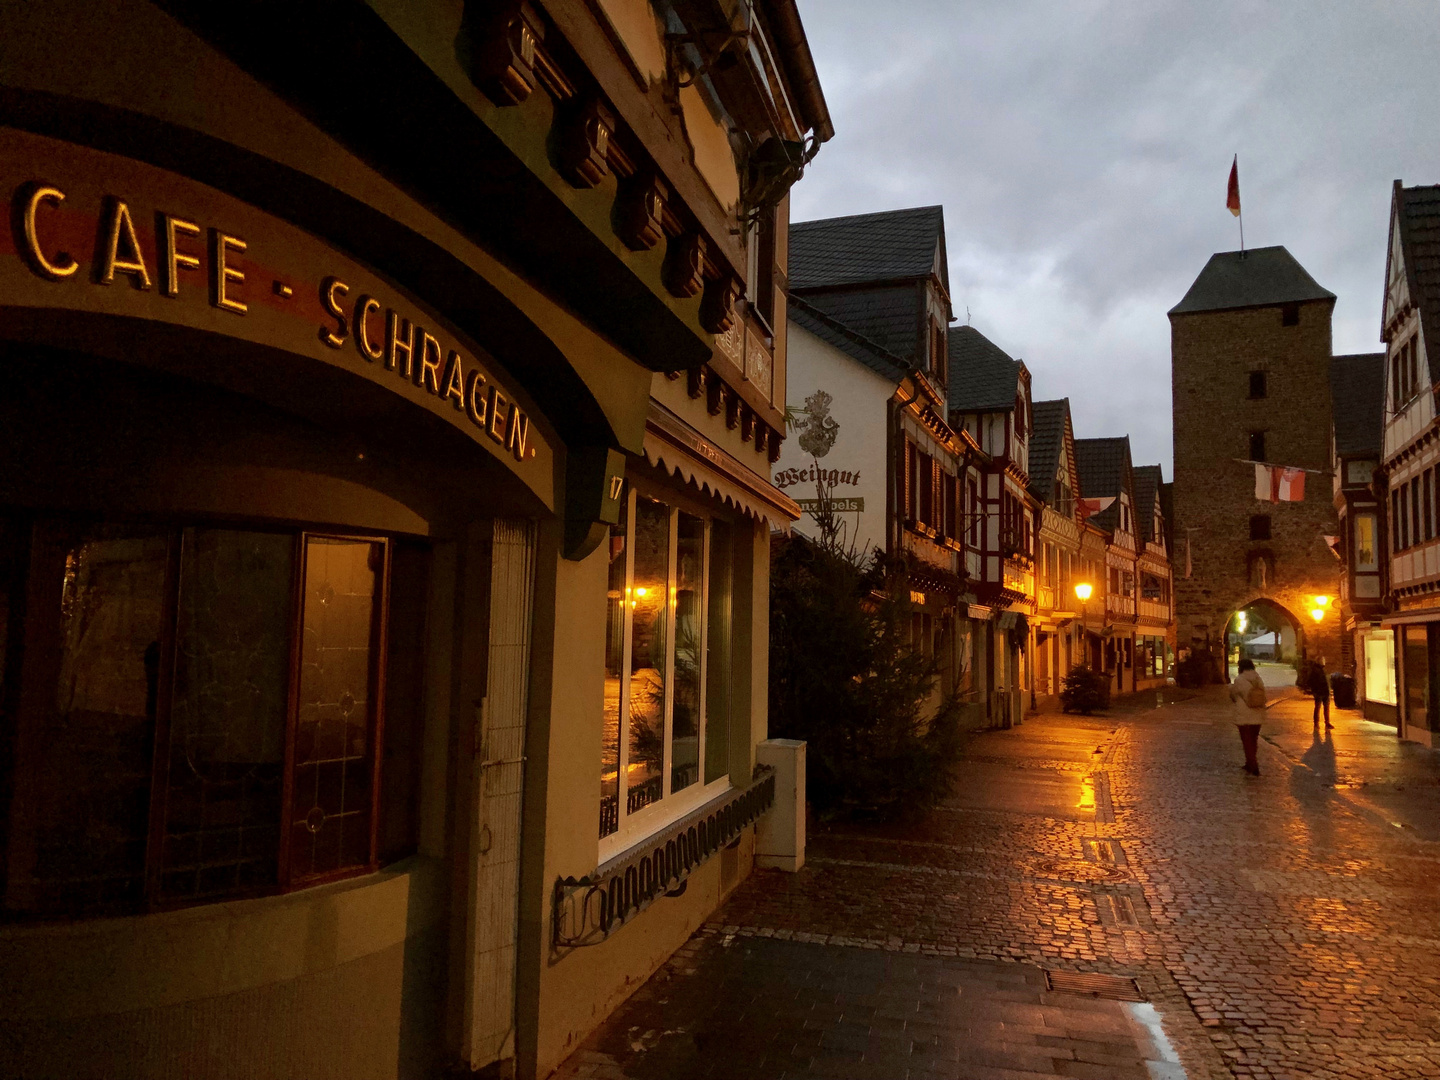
667	666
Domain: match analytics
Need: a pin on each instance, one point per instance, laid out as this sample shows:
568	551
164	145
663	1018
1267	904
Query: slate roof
1259	277
1147	480
1357	403
887	317
1104	466
983	377
867	247
1047	443
1419	219
852	343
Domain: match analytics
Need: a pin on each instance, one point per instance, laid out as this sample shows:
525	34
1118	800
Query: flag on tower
1232	195
1277	484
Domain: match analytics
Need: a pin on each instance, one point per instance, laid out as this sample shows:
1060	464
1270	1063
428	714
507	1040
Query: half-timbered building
1106	476
1056	647
1367	649
872	448
989	398
1410	456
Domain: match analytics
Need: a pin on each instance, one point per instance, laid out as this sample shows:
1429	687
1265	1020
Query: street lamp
1083	589
1322	603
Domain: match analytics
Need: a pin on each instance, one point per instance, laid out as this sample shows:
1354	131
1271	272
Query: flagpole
1240	213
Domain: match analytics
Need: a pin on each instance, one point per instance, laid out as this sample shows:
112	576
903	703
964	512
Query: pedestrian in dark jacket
1317	685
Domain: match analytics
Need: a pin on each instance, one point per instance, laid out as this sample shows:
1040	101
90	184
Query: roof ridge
869	214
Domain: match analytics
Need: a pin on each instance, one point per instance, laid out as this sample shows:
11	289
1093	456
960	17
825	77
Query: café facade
385	450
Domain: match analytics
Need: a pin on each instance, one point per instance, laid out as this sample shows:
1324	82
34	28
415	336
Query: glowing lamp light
1317	613
1240	622
1322	601
1083	590
641	591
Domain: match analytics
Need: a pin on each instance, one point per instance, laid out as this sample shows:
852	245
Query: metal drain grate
1113	987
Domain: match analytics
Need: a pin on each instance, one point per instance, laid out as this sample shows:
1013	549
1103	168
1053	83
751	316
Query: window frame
633	828
157	802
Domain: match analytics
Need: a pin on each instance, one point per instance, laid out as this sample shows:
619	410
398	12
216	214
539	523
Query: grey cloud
1081	152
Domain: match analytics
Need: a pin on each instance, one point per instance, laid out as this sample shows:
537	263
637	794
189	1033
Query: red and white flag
1232	194
1090	507
1276	483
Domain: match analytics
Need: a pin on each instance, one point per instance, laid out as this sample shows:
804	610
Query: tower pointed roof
1261	277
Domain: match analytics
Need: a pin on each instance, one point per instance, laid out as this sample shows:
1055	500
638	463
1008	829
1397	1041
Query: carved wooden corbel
684	265
716	393
747	423
733	408
717	307
696	383
775	444
583	142
639	210
503	37
762	438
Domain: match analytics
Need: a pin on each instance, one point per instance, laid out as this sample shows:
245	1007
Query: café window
667	664
200	715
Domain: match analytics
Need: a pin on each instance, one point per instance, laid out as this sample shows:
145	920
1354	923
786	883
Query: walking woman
1248	693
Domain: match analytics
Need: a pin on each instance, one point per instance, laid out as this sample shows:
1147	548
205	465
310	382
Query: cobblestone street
1279	926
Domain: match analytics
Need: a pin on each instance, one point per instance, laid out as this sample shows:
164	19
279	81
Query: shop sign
97	233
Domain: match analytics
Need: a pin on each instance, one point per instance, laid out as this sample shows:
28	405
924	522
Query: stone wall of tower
1211	357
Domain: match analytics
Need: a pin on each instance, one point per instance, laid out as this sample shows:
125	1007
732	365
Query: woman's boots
1250	740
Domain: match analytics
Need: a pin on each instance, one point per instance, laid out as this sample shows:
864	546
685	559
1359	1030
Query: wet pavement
1280	926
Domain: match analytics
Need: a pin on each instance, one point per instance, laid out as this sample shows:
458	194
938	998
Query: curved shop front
268	527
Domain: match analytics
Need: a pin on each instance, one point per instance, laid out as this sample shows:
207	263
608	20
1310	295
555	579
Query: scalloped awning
671	444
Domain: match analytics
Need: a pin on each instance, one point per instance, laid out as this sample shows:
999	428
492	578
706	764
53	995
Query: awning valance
1407	618
672	445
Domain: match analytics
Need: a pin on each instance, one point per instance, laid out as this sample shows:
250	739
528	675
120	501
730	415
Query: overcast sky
1081	151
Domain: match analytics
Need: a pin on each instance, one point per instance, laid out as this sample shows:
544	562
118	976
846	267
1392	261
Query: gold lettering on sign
475	398
369	348
497	411
118	228
454	381
64	265
175	259
331	290
223	275
399	341
519	431
427	372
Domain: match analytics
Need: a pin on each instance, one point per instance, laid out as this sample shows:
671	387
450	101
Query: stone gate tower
1249	376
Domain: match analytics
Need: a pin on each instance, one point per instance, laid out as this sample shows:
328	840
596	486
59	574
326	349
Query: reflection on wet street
1286	925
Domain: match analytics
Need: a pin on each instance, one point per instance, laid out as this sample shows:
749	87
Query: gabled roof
1357	403
1417	212
852	343
983	377
1047	443
1104	466
1147	479
1261	277
867	248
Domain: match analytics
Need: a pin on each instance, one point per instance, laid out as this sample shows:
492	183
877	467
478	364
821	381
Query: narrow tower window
1257	446
1257	384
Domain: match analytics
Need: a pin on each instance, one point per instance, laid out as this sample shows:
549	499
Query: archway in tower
1268	634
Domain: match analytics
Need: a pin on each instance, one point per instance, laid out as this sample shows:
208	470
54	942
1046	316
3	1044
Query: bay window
667	665
195	713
